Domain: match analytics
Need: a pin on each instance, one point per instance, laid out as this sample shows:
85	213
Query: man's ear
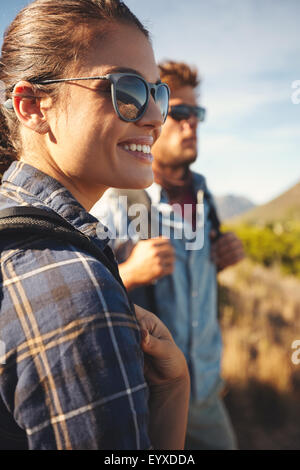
27	107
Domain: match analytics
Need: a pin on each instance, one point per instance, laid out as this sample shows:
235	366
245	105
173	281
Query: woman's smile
139	147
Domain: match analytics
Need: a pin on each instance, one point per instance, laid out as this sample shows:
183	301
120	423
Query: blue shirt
72	372
186	301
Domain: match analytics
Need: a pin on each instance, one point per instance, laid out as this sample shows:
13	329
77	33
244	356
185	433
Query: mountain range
231	205
283	208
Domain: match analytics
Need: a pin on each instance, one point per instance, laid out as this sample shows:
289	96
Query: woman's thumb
145	337
152	345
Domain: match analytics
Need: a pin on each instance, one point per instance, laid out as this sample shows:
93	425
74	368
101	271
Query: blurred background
247	53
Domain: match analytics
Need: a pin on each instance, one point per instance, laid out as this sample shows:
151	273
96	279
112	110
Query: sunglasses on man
130	94
182	112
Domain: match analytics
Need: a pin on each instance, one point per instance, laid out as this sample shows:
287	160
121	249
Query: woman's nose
152	116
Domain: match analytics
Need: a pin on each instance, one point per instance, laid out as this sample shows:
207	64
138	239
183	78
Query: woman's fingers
164	362
156	347
151	323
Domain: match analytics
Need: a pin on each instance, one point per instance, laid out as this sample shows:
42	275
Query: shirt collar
45	192
155	190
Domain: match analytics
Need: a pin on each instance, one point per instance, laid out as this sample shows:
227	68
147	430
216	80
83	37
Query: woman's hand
169	383
164	361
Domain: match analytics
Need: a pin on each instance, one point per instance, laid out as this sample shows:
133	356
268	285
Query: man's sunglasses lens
201	112
131	96
180	113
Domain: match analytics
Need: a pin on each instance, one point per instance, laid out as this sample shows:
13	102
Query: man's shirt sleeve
73	376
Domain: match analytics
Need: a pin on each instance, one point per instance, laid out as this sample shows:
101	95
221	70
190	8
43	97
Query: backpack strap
31	220
212	214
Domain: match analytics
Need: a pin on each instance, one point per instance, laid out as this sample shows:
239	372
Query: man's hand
226	250
149	260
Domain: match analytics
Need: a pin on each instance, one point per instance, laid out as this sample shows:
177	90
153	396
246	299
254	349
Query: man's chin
188	159
182	159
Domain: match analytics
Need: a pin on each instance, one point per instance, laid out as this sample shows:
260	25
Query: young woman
83	105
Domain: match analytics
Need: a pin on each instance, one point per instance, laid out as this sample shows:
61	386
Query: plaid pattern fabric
72	371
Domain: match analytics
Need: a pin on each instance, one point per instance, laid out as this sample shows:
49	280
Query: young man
183	293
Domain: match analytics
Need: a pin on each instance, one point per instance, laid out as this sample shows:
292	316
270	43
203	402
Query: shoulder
54	276
199	181
54	290
66	320
207	198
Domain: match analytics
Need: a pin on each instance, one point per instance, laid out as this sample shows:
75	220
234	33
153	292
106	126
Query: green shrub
273	244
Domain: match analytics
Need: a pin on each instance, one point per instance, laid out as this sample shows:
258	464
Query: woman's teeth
138	148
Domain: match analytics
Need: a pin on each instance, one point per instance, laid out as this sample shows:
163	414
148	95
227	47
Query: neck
85	194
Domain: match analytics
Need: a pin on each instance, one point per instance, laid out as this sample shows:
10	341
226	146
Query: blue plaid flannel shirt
71	372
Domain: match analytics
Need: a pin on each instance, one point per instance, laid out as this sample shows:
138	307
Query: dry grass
260	317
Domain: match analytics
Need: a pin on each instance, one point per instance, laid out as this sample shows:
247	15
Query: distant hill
282	208
231	205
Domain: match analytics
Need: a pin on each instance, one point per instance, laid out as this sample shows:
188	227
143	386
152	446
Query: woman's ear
28	109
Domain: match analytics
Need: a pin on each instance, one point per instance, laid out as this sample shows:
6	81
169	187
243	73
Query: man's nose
191	122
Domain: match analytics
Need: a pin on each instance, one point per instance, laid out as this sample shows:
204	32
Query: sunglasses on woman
130	94
182	112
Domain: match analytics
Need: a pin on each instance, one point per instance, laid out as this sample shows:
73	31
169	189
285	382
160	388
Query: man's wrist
128	276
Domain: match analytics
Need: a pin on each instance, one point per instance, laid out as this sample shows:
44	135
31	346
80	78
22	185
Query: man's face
177	144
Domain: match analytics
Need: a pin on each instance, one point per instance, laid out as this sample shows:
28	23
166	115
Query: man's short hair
178	74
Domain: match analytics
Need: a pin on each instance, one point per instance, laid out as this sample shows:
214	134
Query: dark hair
45	41
178	74
7	152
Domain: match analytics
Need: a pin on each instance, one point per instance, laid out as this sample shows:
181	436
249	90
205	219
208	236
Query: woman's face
87	142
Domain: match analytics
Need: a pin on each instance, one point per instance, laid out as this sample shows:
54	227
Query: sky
248	56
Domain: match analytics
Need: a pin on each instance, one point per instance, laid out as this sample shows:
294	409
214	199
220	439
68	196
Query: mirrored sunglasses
182	112
130	94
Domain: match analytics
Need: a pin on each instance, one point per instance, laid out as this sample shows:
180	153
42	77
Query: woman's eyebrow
122	69
116	69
